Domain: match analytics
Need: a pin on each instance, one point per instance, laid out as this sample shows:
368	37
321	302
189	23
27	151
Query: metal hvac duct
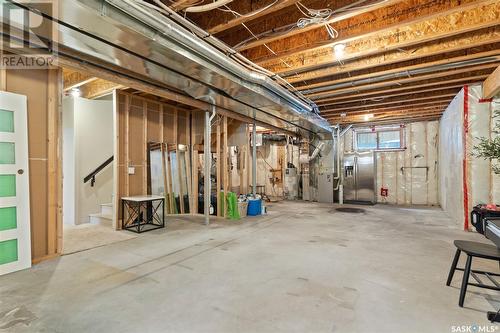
145	44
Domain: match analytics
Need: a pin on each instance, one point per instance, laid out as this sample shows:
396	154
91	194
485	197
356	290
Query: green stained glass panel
7	153
8	251
8	218
6	121
7	185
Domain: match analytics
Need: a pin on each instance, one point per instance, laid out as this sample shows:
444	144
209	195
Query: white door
15	243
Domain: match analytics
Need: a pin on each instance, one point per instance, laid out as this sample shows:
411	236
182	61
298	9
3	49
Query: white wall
92	135
410	174
482	185
68	162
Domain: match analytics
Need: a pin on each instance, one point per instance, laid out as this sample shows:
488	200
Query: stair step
107	209
102	219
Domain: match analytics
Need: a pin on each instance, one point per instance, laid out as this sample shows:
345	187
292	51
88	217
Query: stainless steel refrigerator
360	177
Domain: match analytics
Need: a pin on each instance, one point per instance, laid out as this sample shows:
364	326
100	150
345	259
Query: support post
207	162
254	157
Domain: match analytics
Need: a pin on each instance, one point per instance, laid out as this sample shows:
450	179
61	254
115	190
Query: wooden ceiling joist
444	101
248	15
460	20
472	71
403	91
491	86
411	87
474	58
374	21
427	92
99	88
288	19
478	41
397	102
399	119
434	107
74	79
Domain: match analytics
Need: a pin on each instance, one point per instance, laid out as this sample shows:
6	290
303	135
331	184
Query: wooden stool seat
479	250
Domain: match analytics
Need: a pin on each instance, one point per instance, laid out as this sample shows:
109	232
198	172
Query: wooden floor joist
430	86
452	63
466	44
398	82
462	19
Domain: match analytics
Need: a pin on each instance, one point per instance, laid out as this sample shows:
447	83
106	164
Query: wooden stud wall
43	89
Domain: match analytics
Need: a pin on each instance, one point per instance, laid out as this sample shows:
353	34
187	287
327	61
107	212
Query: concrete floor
302	268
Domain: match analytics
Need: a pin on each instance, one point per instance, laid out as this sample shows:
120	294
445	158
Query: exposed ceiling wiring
258	11
312	17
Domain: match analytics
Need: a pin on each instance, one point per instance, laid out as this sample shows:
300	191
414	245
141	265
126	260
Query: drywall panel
93	144
68	161
451	155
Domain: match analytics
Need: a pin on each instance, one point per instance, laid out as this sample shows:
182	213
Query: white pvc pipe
206	8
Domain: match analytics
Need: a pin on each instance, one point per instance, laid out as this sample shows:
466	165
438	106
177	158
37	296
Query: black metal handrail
91	176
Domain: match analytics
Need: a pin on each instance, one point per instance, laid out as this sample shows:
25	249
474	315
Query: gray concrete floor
301	268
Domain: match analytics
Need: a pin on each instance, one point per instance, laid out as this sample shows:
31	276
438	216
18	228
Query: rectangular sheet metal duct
141	41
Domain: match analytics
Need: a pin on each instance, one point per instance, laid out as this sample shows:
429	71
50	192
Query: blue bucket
254	207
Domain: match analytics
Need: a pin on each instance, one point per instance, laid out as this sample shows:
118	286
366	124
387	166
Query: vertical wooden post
187	159
53	157
218	167
224	164
194	165
3	79
163	161
145	148
126	112
118	160
177	157
171	199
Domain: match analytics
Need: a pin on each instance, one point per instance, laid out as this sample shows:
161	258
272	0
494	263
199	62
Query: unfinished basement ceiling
392	60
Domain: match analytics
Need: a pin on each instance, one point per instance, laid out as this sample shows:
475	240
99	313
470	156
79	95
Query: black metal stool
479	250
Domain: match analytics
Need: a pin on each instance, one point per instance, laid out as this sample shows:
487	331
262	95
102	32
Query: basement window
379	139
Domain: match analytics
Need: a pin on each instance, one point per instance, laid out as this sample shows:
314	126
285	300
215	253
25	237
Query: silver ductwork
147	45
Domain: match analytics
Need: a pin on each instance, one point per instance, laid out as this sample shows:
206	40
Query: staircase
105	217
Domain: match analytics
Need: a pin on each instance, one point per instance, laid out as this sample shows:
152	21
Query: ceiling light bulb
339	49
76	92
368	116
